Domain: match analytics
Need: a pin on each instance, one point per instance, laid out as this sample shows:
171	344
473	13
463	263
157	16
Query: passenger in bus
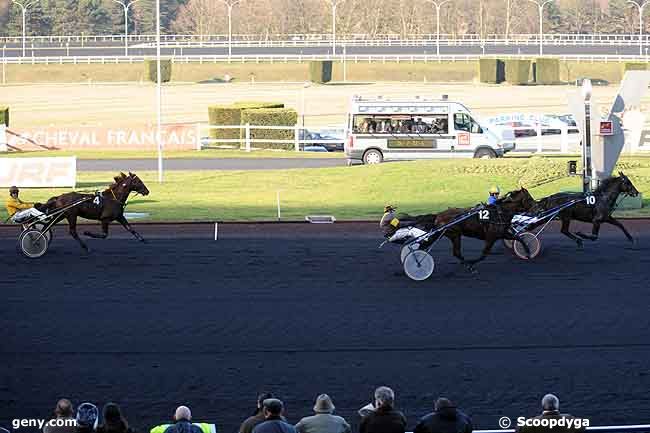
420	126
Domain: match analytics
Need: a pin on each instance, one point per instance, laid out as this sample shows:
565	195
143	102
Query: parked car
594	81
331	143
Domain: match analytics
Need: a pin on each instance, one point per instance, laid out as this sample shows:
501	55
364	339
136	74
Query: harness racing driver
494	195
19	210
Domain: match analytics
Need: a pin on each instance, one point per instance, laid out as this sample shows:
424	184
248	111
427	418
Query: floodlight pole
158	96
438	5
334	4
24	7
126	7
586	140
230	4
540	7
640	7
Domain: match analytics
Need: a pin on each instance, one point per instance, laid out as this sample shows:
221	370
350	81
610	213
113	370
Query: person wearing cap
258	416
87	418
183	422
384	418
445	418
19	210
324	421
63	411
494	195
274	423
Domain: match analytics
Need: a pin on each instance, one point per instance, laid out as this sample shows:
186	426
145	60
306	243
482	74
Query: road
305	309
14	50
208	164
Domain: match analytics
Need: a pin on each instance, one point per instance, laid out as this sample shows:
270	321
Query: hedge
547	71
517	71
638	66
231	115
491	71
271	117
151	69
4	115
320	71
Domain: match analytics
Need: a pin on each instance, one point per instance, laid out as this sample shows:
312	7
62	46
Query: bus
380	130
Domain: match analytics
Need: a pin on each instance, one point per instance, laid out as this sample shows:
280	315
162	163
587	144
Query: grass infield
345	192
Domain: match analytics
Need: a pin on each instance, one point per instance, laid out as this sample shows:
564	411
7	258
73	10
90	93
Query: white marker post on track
216	230
278	200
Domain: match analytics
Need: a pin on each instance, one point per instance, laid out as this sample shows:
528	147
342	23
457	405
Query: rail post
248	137
199	145
296	137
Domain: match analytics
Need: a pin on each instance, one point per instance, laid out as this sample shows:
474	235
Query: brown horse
106	206
596	208
489	224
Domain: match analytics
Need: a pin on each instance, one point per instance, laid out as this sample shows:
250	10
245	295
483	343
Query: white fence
286	58
357	38
297	142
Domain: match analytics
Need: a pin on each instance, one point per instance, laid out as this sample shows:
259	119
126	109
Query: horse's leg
457	250
566	222
72	222
613	221
128	228
103	234
595	229
489	242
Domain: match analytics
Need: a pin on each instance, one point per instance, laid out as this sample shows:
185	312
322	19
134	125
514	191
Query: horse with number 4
105	206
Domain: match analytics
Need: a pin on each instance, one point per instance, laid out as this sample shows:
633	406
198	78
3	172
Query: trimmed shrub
271	117
517	71
151	69
491	71
633	66
320	71
231	115
4	116
547	71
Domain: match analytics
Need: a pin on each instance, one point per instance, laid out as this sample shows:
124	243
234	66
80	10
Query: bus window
401	124
463	122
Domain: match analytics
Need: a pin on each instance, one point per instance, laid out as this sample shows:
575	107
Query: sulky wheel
408	249
33	243
533	244
41	227
419	265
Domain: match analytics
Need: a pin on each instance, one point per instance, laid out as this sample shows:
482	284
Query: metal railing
286	58
246	142
562	38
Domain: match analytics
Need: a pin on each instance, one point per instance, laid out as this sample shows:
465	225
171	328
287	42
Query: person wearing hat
19	210
445	418
87	418
274	423
324	421
257	417
494	195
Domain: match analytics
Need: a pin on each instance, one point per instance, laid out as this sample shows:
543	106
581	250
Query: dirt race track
301	310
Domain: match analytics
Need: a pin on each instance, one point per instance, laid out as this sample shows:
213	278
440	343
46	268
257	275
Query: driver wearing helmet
494	195
19	210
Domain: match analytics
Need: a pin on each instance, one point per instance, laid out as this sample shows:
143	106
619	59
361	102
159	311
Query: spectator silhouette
87	418
324	421
114	421
384	418
274	422
551	410
183	422
445	418
258	416
63	411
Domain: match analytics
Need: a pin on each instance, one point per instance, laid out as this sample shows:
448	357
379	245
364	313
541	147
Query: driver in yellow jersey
19	210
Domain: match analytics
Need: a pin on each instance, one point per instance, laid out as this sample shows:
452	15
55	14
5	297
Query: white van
379	130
